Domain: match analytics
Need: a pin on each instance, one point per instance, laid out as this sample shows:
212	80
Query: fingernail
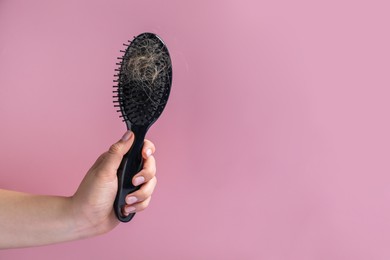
139	180
148	152
126	136
131	200
129	209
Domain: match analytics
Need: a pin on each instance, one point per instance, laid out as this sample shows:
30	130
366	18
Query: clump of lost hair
147	64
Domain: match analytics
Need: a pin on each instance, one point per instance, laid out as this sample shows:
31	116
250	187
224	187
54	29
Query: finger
147	173
143	193
114	155
136	207
148	149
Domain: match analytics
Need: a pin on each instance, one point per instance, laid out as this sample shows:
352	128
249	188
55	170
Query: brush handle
131	164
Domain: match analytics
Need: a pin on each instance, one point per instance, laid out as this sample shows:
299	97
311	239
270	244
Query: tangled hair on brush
147	66
147	62
144	79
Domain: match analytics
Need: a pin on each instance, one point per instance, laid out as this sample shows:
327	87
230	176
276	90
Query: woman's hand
92	204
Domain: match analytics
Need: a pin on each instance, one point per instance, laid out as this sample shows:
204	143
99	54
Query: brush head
144	80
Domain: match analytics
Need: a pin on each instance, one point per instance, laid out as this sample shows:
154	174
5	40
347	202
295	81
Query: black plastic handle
131	164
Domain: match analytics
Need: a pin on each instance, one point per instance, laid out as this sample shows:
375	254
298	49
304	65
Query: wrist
81	226
86	224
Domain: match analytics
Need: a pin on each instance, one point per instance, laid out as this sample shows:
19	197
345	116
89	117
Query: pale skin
33	220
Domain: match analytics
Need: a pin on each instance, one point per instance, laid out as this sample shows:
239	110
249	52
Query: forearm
32	220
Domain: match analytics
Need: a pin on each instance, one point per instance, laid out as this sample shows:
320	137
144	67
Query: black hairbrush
144	83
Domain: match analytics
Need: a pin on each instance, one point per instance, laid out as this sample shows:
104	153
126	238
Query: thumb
114	155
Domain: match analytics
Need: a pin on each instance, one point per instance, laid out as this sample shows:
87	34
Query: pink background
274	145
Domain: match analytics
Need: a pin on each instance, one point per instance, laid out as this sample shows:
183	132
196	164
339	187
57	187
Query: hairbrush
144	80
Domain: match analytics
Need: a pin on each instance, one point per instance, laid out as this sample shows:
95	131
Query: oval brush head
145	79
144	83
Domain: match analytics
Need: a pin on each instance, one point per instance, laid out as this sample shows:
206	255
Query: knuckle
150	171
147	202
144	204
115	148
102	157
149	144
143	194
99	161
147	174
